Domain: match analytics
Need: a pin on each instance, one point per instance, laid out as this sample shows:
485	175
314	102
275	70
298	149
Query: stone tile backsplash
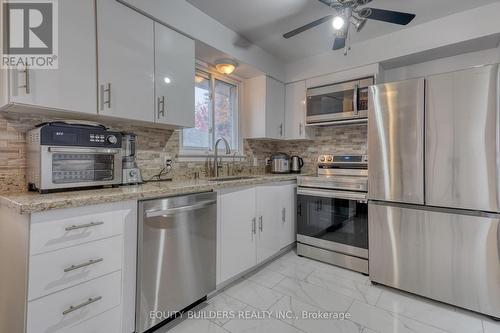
154	145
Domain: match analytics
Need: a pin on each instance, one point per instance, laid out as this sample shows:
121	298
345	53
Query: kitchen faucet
216	159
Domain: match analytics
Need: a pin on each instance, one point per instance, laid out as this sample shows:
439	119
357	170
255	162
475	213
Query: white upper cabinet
295	112
71	87
174	77
263	113
126	62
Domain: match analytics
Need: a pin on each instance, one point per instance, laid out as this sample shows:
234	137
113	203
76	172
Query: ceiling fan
349	11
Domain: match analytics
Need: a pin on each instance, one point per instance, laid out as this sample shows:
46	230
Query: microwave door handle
355	98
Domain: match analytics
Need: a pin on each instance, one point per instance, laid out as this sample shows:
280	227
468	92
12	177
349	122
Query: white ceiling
263	22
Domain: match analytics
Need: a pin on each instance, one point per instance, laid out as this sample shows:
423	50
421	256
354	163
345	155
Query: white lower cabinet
107	322
57	312
254	223
82	269
288	230
269	221
54	271
236	236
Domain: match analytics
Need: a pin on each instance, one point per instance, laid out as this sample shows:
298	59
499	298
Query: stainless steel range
332	212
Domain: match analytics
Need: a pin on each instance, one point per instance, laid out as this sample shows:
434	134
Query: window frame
195	152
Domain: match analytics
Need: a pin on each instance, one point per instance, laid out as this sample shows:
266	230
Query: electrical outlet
167	160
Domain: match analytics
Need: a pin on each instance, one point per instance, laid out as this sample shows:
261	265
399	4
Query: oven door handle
332	194
76	150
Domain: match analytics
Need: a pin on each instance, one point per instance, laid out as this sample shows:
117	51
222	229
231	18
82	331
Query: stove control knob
330	159
112	139
322	159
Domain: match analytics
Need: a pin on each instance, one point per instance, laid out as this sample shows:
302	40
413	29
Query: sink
229	178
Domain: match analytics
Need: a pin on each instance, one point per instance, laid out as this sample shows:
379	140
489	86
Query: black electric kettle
297	164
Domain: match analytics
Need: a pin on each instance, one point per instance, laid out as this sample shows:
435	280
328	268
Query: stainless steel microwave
345	102
65	156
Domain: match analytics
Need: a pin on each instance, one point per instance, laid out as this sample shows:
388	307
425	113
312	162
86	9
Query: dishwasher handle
178	210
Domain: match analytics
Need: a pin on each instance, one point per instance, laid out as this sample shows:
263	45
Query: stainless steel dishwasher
176	255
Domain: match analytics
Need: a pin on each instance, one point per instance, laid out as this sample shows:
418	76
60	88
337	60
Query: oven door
333	220
73	167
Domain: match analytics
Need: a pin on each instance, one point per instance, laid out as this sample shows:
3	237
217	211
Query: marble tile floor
284	289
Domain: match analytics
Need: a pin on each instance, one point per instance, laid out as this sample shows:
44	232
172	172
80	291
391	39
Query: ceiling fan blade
307	26
387	16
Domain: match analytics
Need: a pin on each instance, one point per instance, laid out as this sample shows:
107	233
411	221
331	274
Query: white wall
443	65
427	36
184	17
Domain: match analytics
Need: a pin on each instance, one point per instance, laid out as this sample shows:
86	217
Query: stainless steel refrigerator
434	187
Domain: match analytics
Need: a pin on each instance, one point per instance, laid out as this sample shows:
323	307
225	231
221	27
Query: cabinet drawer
107	322
57	270
54	313
60	229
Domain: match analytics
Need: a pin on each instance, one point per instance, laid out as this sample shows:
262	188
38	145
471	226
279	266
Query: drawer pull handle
88	263
82	226
79	306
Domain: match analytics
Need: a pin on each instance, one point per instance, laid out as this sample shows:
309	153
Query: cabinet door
268	221
174	77
72	86
295	111
288	195
237	237
275	109
126	62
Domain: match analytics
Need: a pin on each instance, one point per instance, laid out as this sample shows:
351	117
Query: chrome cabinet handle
281	129
283	215
161	107
105	91
261	224
79	306
355	98
88	263
83	226
300	129
254	226
26	86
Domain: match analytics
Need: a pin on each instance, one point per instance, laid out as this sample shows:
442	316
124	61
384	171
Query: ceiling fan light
226	66
359	23
338	22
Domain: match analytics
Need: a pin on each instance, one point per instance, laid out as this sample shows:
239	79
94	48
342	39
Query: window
214	117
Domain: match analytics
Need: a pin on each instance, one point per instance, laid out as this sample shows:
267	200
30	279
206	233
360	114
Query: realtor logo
29	34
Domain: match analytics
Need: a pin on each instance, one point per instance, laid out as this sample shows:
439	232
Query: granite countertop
31	202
